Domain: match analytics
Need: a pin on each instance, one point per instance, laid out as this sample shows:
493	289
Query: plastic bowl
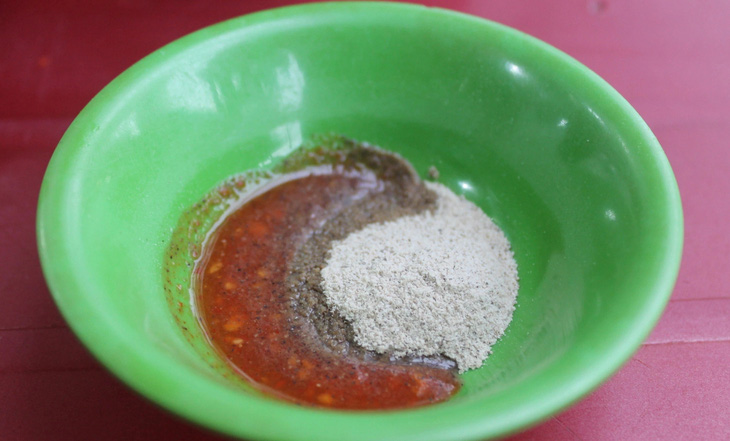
549	150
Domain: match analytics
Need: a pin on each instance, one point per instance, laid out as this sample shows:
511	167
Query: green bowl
549	150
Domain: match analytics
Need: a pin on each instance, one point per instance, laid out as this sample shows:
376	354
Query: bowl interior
546	148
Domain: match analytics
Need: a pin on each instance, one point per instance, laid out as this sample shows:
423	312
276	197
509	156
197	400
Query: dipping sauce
246	302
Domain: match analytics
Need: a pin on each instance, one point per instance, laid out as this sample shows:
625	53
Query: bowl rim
154	375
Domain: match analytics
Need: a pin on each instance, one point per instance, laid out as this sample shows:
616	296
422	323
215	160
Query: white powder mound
436	283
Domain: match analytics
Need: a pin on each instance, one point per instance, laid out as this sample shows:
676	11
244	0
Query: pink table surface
670	59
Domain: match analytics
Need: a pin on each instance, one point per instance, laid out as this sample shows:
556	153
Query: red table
670	59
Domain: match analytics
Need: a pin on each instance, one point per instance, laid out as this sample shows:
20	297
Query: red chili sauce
246	309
